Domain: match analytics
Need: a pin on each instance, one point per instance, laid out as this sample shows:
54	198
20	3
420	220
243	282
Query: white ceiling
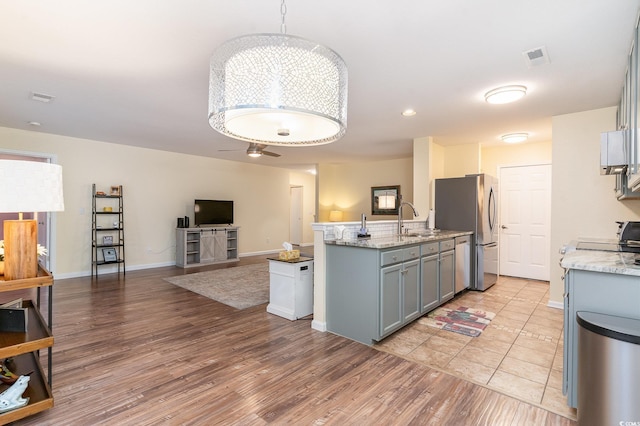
136	72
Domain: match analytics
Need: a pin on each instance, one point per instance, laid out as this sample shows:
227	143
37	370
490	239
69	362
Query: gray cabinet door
411	290
430	286
390	299
447	276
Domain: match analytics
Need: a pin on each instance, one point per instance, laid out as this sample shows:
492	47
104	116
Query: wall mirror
384	199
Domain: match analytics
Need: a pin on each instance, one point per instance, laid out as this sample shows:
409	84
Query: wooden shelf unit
115	230
206	245
24	348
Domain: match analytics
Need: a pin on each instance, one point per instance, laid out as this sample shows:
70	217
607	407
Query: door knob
504	227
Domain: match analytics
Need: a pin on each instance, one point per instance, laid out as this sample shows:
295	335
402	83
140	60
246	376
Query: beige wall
348	187
158	187
460	160
308	183
582	201
494	157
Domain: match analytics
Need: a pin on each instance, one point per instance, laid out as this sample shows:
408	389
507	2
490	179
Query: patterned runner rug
462	320
239	287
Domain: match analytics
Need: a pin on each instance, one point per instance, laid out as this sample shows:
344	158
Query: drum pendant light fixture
277	89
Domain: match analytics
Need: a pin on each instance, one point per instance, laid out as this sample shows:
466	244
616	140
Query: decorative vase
1	267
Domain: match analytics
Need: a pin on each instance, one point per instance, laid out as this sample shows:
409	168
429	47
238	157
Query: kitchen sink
424	233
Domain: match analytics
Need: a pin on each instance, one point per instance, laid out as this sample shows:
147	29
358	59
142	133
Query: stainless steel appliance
628	240
612	153
463	263
629	236
470	203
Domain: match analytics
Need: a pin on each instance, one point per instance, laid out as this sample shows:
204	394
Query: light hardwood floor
140	351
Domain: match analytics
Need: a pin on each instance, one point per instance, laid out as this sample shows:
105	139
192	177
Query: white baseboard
272	251
556	305
112	270
319	325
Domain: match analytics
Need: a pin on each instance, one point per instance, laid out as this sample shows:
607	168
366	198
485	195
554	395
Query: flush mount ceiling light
276	89
515	137
505	94
409	112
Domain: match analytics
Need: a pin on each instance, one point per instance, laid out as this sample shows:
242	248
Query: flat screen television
213	212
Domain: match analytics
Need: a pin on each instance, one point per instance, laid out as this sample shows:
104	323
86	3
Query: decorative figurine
12	397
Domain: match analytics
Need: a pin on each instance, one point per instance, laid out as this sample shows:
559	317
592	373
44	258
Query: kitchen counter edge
601	261
397	241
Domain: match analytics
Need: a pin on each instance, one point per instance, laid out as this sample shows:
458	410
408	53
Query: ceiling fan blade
270	154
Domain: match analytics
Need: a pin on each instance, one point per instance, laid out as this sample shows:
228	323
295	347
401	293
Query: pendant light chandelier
277	89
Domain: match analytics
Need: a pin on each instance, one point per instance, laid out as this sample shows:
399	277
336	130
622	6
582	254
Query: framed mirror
384	200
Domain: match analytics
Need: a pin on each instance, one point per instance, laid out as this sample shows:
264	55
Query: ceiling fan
255	150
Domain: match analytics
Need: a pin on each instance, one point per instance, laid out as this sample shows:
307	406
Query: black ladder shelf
107	230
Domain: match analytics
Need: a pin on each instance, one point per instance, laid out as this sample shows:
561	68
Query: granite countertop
398	241
601	261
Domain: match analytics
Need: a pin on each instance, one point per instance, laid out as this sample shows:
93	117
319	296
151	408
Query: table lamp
26	186
335	216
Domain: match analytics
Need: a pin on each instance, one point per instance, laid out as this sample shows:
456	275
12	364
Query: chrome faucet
402	203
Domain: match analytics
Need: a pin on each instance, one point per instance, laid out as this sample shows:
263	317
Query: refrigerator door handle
493	210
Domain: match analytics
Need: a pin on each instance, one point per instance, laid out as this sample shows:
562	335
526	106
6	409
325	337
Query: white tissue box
289	255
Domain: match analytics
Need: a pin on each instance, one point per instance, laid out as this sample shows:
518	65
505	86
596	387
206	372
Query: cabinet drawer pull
395	257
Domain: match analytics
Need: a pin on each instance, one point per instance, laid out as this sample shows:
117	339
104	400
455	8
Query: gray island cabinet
600	282
372	292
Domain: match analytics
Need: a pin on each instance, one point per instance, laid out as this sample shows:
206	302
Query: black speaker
186	221
180	222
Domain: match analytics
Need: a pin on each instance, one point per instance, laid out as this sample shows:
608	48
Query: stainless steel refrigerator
470	203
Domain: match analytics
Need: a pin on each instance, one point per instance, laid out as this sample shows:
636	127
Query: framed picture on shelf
115	191
384	199
109	254
107	240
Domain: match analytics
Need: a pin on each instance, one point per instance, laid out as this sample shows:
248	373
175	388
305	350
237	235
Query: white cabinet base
291	288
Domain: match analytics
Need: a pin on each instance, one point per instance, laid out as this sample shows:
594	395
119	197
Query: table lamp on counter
26	186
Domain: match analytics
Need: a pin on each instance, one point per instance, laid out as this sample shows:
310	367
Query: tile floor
518	354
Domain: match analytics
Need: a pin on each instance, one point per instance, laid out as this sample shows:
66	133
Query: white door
295	215
525	210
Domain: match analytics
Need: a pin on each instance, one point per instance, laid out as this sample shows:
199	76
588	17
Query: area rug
462	320
239	287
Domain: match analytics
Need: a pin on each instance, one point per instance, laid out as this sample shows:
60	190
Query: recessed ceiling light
515	137
505	94
409	112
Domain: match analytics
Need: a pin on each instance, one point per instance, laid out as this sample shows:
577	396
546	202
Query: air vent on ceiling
41	97
537	56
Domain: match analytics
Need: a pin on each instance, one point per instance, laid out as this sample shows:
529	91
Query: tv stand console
206	245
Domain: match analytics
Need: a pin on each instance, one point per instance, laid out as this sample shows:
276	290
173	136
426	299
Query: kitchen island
603	282
376	286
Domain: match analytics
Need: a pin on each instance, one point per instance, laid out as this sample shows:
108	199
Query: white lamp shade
30	186
277	89
335	216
